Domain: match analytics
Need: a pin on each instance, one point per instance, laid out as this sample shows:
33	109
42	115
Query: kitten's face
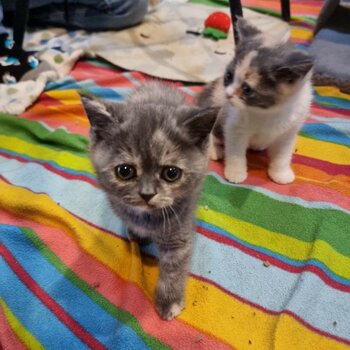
149	170
262	77
150	159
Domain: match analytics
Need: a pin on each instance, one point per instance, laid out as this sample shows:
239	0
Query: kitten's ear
296	66
102	115
96	110
199	123
244	29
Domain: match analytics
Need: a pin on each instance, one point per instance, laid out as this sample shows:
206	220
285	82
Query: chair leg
285	5
20	22
236	11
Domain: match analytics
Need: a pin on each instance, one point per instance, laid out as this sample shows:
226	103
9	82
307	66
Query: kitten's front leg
139	239
235	154
280	153
173	265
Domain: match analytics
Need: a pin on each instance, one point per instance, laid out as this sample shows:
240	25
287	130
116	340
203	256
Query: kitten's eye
171	173
125	171
228	78
247	90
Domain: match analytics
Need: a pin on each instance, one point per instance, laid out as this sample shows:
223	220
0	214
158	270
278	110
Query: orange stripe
71	117
296	9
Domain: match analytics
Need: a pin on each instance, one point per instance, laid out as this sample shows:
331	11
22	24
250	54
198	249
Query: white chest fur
263	127
274	129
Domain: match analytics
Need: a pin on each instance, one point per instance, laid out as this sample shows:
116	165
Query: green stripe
219	3
306	224
121	315
36	133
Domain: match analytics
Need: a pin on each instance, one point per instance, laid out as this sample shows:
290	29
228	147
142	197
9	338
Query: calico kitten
264	97
150	156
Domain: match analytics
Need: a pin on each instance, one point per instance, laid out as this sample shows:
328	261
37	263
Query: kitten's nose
147	196
229	91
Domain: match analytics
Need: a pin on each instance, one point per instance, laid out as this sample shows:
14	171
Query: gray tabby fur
152	129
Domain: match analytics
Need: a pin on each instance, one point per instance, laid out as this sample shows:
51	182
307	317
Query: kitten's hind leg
280	153
173	266
216	148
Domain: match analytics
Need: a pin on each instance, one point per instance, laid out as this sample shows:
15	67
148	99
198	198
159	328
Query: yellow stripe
22	333
67	97
301	34
207	307
62	158
331	91
323	150
286	246
290	335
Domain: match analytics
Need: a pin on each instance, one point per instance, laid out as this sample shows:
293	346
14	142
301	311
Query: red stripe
327	167
274	261
344	112
8	338
47	100
50	303
297	23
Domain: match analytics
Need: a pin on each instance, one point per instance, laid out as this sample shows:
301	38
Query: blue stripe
28	309
335	102
326	133
86	312
284	259
62	84
106	93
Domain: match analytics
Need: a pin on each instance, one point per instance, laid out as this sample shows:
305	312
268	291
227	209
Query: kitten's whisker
176	217
163	220
168	218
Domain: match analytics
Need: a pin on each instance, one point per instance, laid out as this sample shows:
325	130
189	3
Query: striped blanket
271	263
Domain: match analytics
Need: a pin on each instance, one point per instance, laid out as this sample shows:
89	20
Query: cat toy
217	25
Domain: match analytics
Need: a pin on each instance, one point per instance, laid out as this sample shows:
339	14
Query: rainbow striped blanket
271	263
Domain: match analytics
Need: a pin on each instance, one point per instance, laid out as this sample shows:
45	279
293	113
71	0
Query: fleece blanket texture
167	44
271	263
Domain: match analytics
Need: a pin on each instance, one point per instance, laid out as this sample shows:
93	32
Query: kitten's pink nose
147	196
229	91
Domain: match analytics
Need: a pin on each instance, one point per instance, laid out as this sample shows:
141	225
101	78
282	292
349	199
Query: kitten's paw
257	148
169	311
282	177
235	174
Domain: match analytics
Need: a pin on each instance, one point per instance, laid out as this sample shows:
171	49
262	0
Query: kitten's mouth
149	207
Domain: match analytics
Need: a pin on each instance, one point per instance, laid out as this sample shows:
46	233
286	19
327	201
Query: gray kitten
150	156
265	96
